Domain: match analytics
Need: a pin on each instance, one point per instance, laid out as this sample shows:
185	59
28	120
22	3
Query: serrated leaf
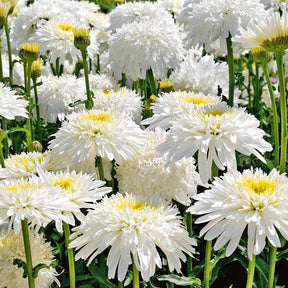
181	280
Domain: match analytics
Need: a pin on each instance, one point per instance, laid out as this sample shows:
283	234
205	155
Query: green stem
5	140
1	63
251	269
70	256
272	264
1	155
283	109
170	285
151	81
207	271
25	233
256	100
99	164
120	284
275	114
28	88
85	66
38	121
9	52
189	226
230	60
136	282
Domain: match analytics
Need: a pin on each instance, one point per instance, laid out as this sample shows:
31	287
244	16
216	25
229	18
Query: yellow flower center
197	99
130	204
25	160
66	183
30	47
97	117
65	26
258	186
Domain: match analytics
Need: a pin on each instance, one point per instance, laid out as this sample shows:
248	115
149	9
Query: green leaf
100	276
181	280
20	263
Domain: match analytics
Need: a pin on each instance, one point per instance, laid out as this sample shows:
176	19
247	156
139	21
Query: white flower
25	164
171	106
202	75
112	135
139	46
173	6
147	174
235	201
123	100
271	33
57	39
55	95
29	18
12	247
101	81
133	229
136	12
209	20
34	200
216	132
81	189
12	105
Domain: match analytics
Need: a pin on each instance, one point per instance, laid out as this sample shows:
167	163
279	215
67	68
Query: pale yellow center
25	161
262	186
65	26
66	183
197	100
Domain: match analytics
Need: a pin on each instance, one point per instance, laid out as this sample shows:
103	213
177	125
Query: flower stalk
70	252
136	281
29	264
9	51
283	109
230	60
272	264
251	270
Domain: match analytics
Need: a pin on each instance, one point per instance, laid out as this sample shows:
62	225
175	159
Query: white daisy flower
34	200
238	200
24	164
112	135
139	46
201	74
12	105
147	174
12	247
57	39
216	132
81	189
173	6
171	106
207	21
101	81
136	12
270	33
29	18
55	95
133	229
123	100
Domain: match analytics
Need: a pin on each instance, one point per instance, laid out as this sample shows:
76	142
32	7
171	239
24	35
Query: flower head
251	199
12	105
171	106
34	200
55	95
112	135
134	229
216	132
12	247
147	174
139	46
270	33
208	21
24	164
